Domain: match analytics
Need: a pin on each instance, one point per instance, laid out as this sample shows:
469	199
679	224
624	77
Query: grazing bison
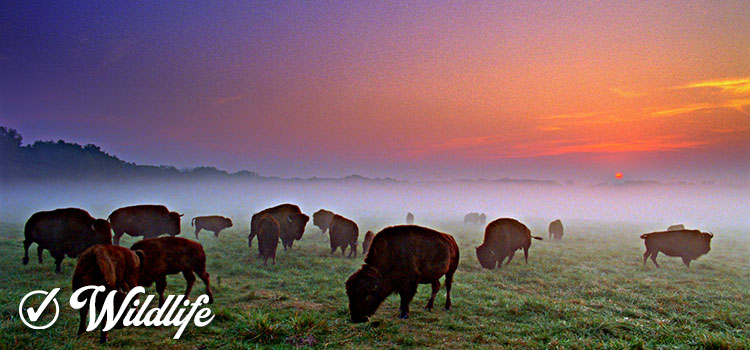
291	220
677	227
482	219
169	255
502	238
148	221
344	232
64	231
213	223
115	268
556	229
366	243
268	237
322	219
399	259
687	244
409	218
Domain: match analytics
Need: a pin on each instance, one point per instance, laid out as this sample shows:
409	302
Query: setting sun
618	176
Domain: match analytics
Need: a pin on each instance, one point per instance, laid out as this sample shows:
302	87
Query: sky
411	90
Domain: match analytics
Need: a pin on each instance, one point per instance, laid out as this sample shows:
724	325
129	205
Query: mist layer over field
709	208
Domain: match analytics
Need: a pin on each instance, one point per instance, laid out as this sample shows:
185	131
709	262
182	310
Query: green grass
589	291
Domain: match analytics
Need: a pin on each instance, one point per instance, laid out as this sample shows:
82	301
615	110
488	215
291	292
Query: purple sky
412	90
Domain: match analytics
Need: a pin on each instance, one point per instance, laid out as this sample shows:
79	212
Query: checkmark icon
34	315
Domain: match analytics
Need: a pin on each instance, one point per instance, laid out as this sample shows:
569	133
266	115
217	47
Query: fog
709	208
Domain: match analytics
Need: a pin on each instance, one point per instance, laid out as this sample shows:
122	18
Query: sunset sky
412	90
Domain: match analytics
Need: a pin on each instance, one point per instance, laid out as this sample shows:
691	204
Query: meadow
590	291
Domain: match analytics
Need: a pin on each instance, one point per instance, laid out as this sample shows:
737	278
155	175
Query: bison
148	221
322	219
677	227
344	232
475	218
291	221
502	238
409	218
366	243
169	255
213	223
556	230
687	244
268	237
399	259
115	268
64	231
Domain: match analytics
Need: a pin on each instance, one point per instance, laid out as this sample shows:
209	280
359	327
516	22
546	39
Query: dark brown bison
344	232
148	221
678	227
291	220
322	219
366	243
64	231
268	237
115	268
170	255
213	223
556	229
687	244
399	259
502	238
409	218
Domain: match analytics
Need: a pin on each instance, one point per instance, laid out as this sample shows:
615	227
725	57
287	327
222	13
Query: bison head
173	226
298	223
705	243
365	291
486	257
322	219
102	231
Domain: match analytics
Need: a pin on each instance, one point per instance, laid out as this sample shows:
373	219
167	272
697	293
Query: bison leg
333	248
353	249
216	233
204	276
645	256
26	245
435	289
161	285
197	229
653	258
250	239
448	283
510	257
58	261
116	238
82	324
39	251
407	294
190	279
686	261
526	254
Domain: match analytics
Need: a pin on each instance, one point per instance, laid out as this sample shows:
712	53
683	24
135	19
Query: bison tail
643	236
537	237
192	222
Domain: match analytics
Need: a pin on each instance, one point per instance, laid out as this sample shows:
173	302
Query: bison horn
181	215
711	234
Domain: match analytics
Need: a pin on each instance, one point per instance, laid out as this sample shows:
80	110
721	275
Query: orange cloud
735	86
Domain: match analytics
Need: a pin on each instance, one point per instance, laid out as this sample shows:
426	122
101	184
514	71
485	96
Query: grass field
589	291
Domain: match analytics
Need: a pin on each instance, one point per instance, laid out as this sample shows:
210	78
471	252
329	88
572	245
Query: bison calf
399	259
268	237
115	268
169	255
68	231
212	223
502	238
344	232
687	244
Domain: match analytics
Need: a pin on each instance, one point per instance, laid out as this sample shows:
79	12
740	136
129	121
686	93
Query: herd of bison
397	259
